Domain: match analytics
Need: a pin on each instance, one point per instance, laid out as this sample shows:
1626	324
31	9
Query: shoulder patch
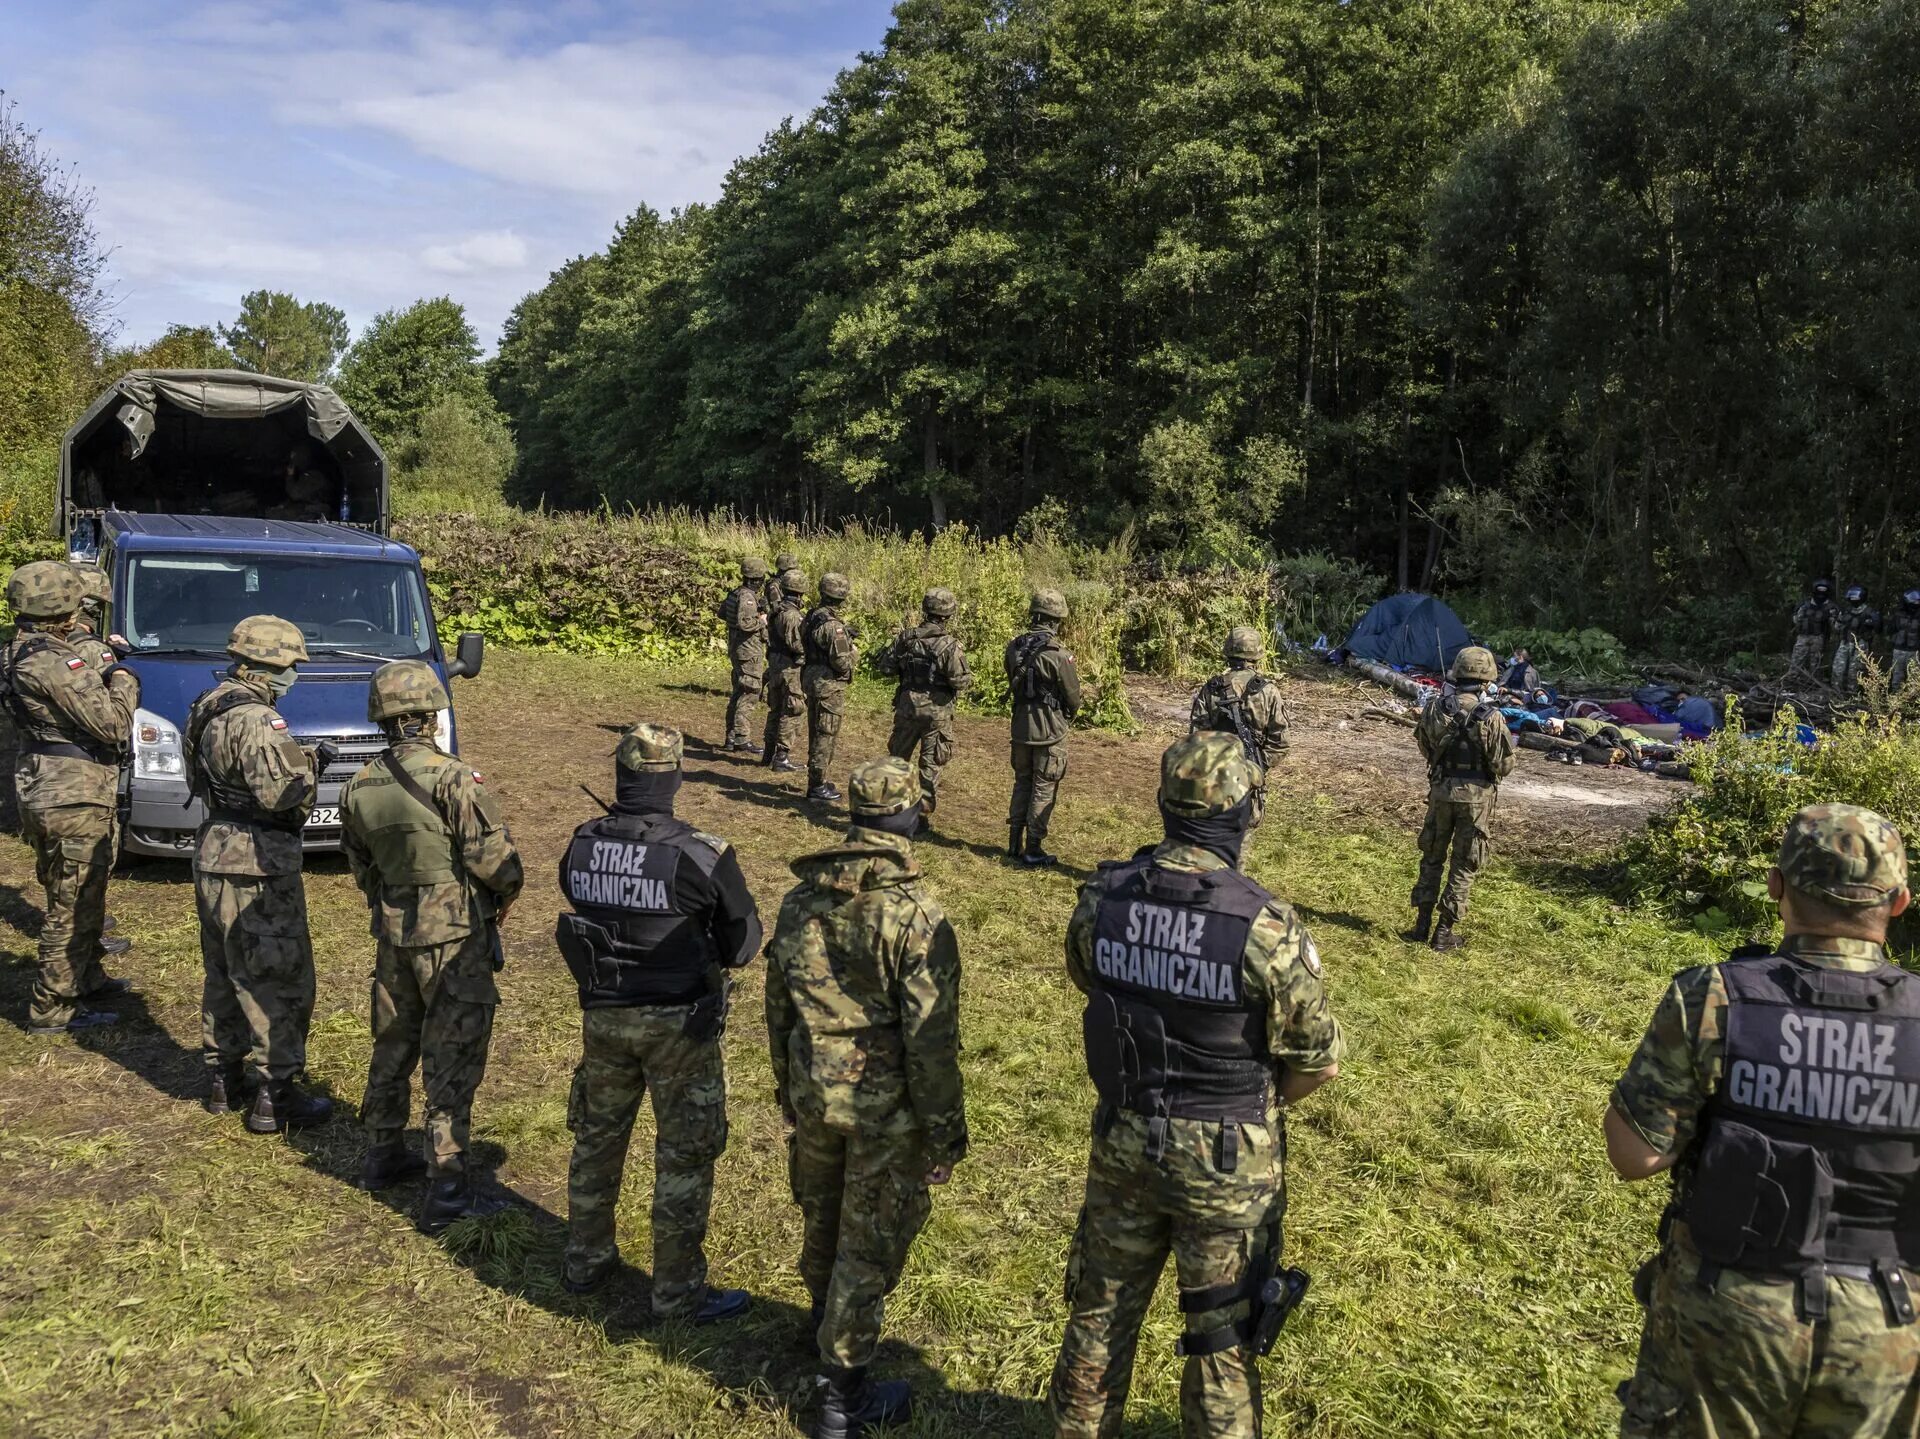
1310	955
478	778
274	721
76	664
711	841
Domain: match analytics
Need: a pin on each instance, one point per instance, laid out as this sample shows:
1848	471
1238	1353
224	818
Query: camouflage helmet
1244	643
405	687
939	603
44	590
1844	855
1049	604
785	561
267	640
650	749
882	787
753	568
1475	664
1206	774
834	588
95	587
793	581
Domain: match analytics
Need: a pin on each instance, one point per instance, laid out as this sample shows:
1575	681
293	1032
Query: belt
63	750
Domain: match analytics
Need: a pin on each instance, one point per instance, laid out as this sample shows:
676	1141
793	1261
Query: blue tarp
1409	630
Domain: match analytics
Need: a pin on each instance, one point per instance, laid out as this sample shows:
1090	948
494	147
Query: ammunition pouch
1757	1203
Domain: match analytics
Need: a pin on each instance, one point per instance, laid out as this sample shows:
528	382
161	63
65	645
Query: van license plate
324	816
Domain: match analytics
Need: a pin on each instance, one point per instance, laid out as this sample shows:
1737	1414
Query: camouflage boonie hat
1244	643
405	687
783	563
939	602
267	640
1844	855
1475	663
44	590
1206	774
650	749
834	587
793	582
94	584
753	568
881	787
1049	604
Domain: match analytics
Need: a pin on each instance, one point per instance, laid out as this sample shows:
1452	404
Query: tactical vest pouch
1126	1053
581	942
1757	1203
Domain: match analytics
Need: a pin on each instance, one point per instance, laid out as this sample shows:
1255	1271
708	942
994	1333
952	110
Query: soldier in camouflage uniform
258	786
747	650
660	913
1045	686
1857	624
1245	703
830	658
786	653
1468	751
1813	621
71	724
85	636
1782	1090
863	1017
1206	1017
772	593
1903	633
429	849
932	670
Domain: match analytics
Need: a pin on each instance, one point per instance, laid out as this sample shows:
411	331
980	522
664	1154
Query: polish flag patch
275	722
478	778
76	664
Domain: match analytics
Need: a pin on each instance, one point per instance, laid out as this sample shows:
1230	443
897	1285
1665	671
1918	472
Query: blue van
210	496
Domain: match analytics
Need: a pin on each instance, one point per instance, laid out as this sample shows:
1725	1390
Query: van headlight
157	753
443	729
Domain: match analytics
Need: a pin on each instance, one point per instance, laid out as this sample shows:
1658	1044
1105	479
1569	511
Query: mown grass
164	1274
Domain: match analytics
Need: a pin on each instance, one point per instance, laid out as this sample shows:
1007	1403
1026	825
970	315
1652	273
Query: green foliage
275	334
1320	594
182	347
458	456
1589	654
406	360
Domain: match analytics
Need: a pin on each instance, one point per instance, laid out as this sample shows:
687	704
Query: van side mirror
468	655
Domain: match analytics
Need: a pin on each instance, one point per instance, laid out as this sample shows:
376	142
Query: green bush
456	457
1588	654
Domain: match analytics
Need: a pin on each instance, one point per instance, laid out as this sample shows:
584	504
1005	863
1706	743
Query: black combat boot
82	1019
283	1105
1445	941
1422	926
592	1280
451	1200
742	746
1036	857
111	945
109	986
854	1404
226	1090
721	1305
822	792
388	1165
1016	840
781	764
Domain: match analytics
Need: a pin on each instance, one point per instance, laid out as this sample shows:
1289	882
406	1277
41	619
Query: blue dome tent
1409	630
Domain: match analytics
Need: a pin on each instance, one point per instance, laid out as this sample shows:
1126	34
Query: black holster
707	1019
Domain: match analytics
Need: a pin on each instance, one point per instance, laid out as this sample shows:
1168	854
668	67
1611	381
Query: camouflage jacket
58	700
1903	629
96	651
746	621
863	997
829	648
1858	625
248	752
1262	712
786	640
1045	686
1815	617
931	667
1466	760
429	877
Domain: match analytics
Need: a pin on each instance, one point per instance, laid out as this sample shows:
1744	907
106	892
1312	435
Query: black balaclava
1220	834
903	824
647	791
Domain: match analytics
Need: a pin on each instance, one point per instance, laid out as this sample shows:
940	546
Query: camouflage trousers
1217	1224
749	678
863	1196
1463	830
1736	1362
931	732
256	1001
1808	651
1848	661
73	856
826	709
1902	662
786	708
626	1053
432	1005
1037	772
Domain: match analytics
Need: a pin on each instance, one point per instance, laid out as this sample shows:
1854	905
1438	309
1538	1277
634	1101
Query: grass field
164	1273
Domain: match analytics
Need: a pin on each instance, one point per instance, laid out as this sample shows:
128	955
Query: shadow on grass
1601	874
1337	918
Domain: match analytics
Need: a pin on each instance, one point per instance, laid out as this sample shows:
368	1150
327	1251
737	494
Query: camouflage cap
881	787
939	602
405	687
753	568
650	749
44	590
1844	855
834	587
1049	604
784	562
1206	774
793	582
267	640
1474	664
94	584
1244	643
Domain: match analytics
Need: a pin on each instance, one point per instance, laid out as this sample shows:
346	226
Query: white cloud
489	250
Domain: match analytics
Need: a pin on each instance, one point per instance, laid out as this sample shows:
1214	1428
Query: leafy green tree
182	347
407	359
275	334
459	455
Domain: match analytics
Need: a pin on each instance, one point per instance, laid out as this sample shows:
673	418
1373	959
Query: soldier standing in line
660	913
747	650
429	849
772	594
1243	702
830	657
1045	686
89	625
932	670
1779	1088
258	785
70	725
1468	751
786	653
863	1018
1856	624
1813	621
1903	632
1206	1018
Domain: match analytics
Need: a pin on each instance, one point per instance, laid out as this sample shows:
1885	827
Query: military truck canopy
222	442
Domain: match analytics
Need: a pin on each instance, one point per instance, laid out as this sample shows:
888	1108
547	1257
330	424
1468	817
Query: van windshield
192	602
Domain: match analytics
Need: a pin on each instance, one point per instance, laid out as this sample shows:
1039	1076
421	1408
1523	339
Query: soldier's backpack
1462	752
917	660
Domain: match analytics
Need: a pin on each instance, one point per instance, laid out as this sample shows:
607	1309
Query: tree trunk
930	464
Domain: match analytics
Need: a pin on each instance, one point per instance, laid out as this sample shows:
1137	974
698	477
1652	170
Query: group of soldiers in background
1854	628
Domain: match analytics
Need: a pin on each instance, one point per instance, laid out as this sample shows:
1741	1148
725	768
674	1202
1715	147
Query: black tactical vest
917	660
1462	752
629	941
1170	1029
1029	686
1810	1153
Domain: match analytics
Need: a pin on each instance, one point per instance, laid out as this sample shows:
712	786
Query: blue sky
370	152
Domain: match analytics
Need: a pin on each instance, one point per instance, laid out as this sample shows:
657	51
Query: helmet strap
405	727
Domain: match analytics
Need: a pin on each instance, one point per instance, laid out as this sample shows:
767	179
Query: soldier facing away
1243	702
89	626
429	849
1045	687
1782	1089
1857	624
863	1019
1813	622
1903	634
932	669
258	785
772	593
830	657
746	650
71	724
660	912
1468	752
786	654
1206	1015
